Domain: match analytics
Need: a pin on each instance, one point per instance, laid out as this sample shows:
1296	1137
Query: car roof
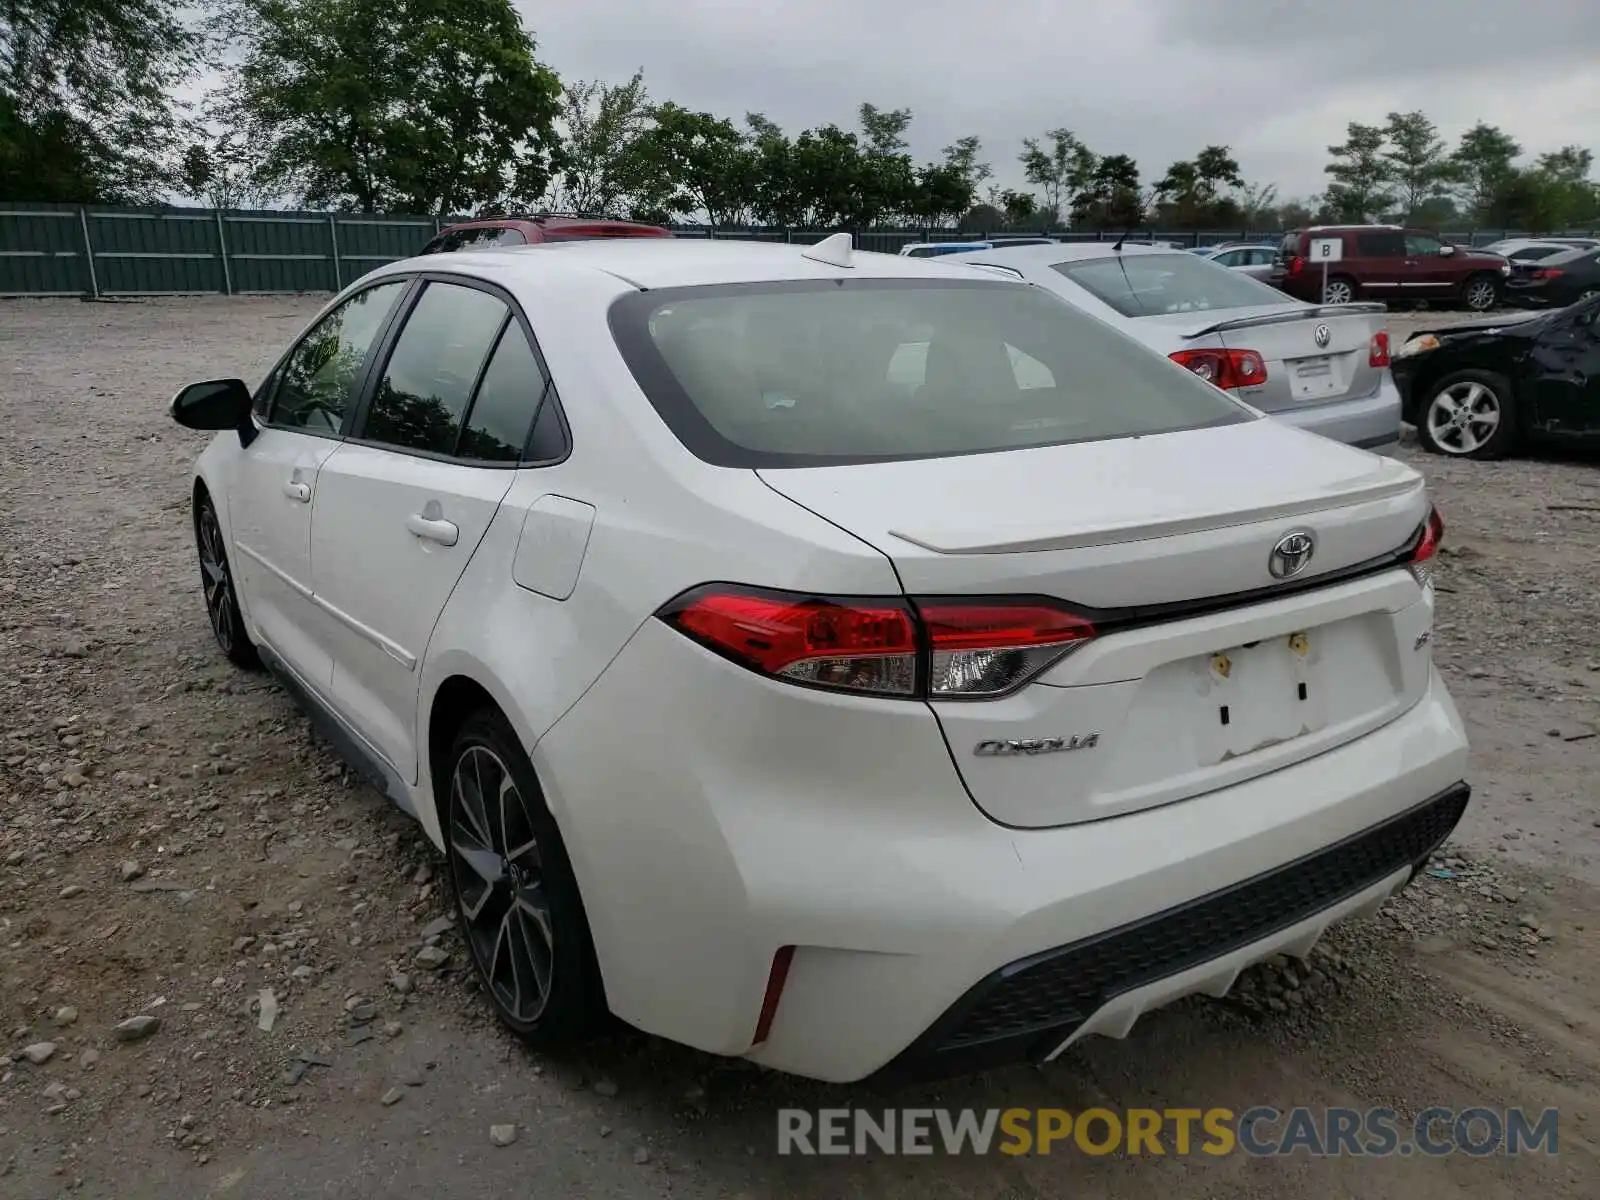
678	262
1043	256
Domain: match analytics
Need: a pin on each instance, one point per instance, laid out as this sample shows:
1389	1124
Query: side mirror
214	404
1446	251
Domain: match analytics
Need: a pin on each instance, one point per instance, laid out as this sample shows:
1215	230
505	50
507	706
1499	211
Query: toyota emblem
1292	554
1323	335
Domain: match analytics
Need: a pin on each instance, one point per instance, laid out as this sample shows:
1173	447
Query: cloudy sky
1277	80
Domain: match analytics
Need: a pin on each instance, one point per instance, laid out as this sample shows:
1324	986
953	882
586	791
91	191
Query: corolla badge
1292	554
1048	745
1322	335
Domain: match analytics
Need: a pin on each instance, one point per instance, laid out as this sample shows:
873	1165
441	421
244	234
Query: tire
517	901
1480	294
1442	429
216	584
1341	289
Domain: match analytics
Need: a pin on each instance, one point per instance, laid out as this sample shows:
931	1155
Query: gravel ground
212	969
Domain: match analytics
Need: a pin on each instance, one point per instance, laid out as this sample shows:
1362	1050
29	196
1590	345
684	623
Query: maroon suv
1389	263
531	230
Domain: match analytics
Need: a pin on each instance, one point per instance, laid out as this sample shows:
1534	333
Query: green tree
1063	168
962	156
431	106
827	171
1484	162
223	171
774	199
1113	199
693	162
1361	175
1216	169
942	192
1021	208
883	131
1256	202
603	124
1419	162
86	97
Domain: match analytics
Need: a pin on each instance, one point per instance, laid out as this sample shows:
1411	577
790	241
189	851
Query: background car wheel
1469	414
1588	294
516	896
1481	293
216	581
1339	290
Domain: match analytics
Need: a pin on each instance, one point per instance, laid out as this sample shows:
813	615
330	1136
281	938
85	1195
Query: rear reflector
1428	539
776	978
933	648
1226	368
1378	352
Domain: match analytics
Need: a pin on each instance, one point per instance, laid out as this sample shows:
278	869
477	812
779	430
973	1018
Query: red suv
529	231
1390	263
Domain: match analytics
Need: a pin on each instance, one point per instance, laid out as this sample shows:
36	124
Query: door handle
433	529
296	490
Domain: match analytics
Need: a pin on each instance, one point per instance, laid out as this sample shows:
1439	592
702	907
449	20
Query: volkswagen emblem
1322	335
1292	554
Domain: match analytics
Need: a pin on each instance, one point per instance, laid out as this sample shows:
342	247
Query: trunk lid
1205	672
1302	369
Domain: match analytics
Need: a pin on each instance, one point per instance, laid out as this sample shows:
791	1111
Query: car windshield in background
1150	285
873	370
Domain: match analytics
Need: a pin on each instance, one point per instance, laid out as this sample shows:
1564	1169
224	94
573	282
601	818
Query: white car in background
1321	368
846	662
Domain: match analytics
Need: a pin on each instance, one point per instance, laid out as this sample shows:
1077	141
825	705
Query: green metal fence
68	250
94	251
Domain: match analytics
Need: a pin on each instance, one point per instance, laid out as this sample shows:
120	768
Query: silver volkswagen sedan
1324	368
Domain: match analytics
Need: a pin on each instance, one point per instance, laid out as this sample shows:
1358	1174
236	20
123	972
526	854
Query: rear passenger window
507	399
420	400
510	237
319	378
1381	245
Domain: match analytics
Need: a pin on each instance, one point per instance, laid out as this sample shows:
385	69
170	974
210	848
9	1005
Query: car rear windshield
1149	285
819	372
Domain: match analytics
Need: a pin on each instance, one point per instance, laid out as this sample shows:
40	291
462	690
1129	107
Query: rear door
1379	263
275	489
404	503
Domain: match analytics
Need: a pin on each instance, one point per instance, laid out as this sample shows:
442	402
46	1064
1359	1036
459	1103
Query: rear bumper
1032	1009
714	817
1370	422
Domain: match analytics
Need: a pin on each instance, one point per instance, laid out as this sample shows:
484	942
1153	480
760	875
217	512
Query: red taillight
1226	368
930	648
858	646
1428	540
1296	265
987	649
1545	273
1378	352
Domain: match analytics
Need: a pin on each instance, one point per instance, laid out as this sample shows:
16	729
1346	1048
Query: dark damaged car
1483	388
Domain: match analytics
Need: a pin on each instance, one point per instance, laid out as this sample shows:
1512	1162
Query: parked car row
1474	390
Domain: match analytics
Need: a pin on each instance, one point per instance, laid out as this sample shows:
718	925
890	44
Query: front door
402	506
1565	384
1430	273
272	495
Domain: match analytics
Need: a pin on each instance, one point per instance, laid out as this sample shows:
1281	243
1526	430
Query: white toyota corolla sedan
850	662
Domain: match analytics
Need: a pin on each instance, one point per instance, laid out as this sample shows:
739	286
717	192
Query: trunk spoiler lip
1137	531
1284	315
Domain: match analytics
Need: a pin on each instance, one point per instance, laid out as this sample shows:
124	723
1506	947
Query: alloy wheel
1480	295
1463	417
499	877
1337	292
216	581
